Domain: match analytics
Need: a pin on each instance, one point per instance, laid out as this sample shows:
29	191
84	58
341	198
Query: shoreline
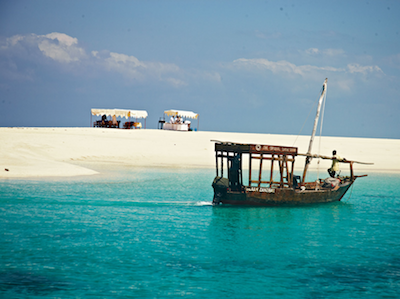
68	152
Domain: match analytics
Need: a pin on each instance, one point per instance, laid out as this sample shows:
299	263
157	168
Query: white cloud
12	41
325	52
57	46
133	68
176	82
124	64
62	38
333	52
118	60
356	68
65	50
60	47
282	66
312	51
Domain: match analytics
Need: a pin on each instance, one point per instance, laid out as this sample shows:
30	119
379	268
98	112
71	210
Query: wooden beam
250	169
272	170
216	161
259	173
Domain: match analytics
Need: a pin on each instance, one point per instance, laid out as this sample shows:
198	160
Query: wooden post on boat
216	161
222	164
308	158
351	171
272	170
250	157
241	170
260	170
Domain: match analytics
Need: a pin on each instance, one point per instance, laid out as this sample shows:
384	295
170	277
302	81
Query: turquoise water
152	233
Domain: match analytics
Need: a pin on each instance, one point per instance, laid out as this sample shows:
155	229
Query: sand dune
50	152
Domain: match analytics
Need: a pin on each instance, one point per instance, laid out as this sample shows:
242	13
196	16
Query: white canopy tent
119	113
180	113
188	114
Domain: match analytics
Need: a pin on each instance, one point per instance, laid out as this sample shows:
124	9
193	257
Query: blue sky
244	66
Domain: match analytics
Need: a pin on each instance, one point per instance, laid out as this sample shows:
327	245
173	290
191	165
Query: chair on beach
128	124
161	123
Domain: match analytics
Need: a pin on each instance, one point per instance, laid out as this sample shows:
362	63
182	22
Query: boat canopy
120	113
188	114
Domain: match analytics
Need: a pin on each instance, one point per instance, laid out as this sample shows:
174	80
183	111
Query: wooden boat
266	190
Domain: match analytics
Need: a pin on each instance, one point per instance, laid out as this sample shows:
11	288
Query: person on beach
114	121
172	120
103	119
335	164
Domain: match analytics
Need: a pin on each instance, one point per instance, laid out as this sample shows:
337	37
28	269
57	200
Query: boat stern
220	186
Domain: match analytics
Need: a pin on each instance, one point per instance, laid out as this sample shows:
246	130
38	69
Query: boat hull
278	197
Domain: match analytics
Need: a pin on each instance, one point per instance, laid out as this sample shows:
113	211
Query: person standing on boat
335	164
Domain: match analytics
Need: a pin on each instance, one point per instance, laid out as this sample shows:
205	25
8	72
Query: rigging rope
312	108
351	192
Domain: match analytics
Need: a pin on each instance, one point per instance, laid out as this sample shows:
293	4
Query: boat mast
321	98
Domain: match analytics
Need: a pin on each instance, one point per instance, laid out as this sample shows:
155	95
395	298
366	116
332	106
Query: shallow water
152	233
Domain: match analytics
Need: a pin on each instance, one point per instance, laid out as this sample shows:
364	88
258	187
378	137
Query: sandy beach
58	152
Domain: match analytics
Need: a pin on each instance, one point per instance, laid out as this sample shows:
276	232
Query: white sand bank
41	152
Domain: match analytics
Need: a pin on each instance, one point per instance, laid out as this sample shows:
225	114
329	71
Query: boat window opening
280	168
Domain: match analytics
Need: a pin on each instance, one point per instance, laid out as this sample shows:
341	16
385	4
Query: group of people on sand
113	122
176	120
179	121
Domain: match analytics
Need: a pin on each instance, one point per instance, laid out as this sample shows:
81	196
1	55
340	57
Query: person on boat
335	164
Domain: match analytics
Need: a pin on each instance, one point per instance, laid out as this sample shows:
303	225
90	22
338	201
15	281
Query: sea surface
153	233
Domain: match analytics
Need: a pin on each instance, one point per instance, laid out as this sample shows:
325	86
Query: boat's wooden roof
255	148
